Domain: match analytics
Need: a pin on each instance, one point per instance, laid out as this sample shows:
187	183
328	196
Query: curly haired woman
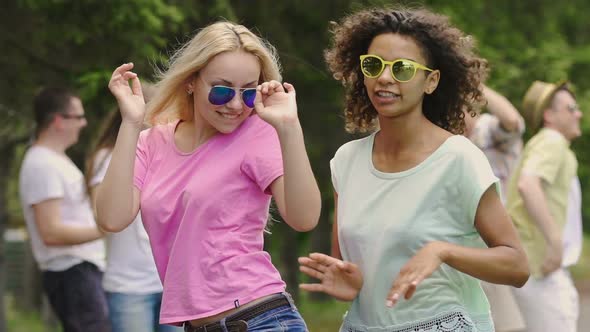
414	199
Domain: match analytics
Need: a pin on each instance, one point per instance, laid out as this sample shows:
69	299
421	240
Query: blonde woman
225	138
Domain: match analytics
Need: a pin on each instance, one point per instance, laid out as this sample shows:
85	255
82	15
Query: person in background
498	133
67	244
538	202
131	281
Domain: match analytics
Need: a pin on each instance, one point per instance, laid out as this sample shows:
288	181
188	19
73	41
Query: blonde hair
172	101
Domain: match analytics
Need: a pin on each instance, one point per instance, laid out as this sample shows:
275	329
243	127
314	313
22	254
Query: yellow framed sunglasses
402	70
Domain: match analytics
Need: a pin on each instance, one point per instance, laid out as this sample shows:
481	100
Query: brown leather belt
237	322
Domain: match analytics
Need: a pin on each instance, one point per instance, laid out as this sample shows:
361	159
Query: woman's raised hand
275	103
340	279
129	96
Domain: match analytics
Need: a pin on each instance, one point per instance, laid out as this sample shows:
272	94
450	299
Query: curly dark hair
445	48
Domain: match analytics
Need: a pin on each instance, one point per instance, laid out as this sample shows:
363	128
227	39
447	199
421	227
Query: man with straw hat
538	204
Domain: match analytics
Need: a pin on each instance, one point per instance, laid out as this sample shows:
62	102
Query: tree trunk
32	290
4	176
2	262
289	255
321	239
7	153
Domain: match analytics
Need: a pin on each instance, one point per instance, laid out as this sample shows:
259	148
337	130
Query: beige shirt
548	156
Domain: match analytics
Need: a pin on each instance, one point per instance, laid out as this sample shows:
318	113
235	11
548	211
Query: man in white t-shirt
66	242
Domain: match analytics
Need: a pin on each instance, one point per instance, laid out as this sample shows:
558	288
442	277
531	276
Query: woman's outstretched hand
276	104
342	280
422	265
129	96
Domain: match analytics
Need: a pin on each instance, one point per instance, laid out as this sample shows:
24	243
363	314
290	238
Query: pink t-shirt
205	213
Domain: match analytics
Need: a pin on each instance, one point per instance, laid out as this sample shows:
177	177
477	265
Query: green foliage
79	43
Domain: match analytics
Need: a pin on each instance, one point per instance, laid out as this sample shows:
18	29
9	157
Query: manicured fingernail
389	303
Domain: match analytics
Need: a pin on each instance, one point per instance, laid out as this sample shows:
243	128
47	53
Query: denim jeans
134	313
77	298
285	318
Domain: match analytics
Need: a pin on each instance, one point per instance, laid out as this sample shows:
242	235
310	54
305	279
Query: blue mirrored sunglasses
220	95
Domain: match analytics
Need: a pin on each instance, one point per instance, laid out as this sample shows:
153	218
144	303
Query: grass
581	271
19	321
322	316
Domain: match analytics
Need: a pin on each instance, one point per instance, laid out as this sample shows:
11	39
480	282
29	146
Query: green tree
79	43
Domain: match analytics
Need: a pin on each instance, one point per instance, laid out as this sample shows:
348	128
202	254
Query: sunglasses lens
403	71
371	66
248	96
220	95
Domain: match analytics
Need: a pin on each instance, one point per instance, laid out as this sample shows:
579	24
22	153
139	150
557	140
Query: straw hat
536	100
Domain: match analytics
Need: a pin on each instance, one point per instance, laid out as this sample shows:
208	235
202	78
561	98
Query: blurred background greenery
79	43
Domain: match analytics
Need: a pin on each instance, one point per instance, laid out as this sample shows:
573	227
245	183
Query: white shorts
550	303
505	311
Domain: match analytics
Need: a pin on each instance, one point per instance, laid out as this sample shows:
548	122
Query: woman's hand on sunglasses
276	104
129	96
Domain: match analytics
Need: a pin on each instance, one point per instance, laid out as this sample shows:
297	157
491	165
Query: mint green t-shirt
385	218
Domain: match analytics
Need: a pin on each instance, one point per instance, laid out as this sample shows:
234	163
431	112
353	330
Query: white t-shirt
46	174
130	265
384	219
572	231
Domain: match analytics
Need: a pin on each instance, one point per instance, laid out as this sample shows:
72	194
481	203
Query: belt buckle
189	328
237	326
